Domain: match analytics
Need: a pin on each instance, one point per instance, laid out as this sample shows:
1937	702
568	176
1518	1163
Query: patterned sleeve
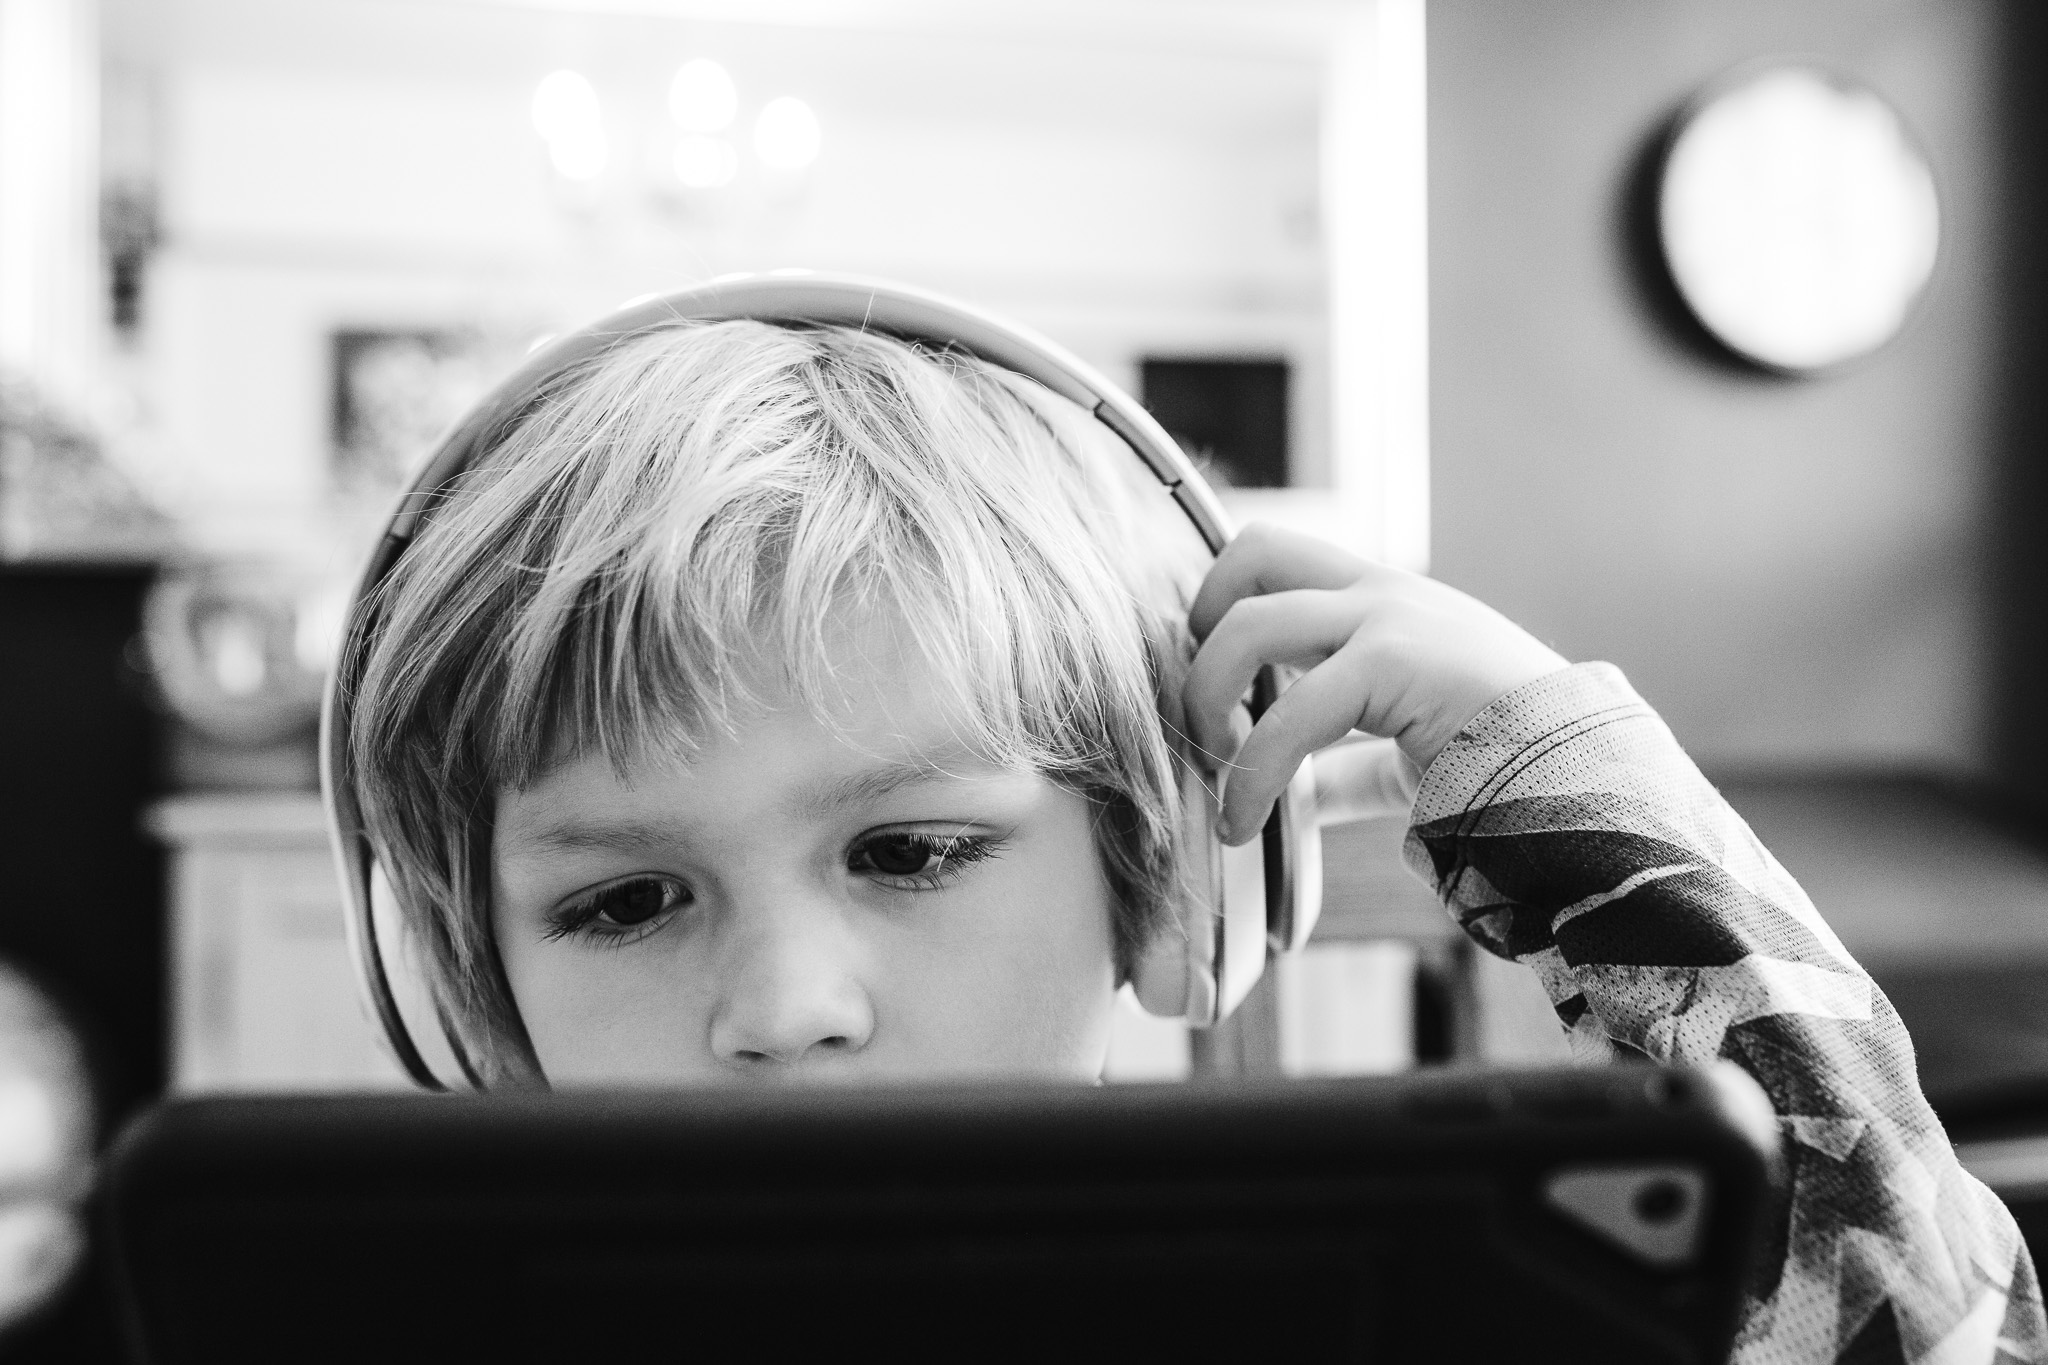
1564	828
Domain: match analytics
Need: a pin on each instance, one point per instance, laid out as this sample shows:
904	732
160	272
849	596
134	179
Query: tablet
1592	1214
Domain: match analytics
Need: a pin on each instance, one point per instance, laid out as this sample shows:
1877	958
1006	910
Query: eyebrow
855	789
873	784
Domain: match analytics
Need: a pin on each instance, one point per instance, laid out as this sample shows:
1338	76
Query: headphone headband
790	297
802	296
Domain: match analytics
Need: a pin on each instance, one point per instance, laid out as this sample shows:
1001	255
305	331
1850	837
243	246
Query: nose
793	995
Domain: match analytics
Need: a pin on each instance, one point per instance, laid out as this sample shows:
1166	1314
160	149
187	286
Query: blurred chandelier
702	154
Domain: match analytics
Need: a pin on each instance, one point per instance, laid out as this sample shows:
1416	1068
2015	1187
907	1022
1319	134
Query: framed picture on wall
395	391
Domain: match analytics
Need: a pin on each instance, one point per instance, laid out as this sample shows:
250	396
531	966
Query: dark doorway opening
1229	415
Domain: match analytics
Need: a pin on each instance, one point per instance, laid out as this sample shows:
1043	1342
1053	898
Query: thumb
1365	779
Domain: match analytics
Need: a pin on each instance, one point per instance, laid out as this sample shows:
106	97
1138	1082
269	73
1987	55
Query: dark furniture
81	901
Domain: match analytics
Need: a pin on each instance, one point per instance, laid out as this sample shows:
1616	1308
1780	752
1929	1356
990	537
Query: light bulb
786	134
566	112
565	106
702	98
581	157
705	163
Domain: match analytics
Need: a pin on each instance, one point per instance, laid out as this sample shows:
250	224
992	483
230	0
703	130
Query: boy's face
792	904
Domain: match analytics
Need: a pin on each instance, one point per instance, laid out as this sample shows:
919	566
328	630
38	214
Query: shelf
1942	894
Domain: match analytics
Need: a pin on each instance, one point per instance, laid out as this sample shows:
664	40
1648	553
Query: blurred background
1696	335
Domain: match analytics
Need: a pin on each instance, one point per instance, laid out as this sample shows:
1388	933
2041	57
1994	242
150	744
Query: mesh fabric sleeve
1565	829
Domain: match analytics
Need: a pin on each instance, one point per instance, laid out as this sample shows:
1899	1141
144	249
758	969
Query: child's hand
1386	652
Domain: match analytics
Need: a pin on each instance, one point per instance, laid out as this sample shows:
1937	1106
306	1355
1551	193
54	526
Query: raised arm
1564	828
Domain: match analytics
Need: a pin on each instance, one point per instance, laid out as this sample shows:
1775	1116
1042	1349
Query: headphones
1260	899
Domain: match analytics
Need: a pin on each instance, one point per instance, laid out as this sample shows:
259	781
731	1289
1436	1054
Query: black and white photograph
936	680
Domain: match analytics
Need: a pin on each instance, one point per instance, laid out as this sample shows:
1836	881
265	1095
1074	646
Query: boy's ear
1159	978
1173	977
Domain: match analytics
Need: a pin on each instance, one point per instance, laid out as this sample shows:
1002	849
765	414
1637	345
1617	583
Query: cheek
598	1017
1024	980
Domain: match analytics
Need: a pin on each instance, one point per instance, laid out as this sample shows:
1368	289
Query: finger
1301	627
1366	779
1321	708
1265	559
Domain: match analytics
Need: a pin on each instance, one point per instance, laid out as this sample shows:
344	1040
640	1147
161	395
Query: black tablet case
1380	1220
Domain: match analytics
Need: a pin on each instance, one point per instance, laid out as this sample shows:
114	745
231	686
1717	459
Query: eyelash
954	852
579	918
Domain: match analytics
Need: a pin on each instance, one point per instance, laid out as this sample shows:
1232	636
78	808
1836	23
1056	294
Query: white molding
1376	241
290	818
1280	28
51	303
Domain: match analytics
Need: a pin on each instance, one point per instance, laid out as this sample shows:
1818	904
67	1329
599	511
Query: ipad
1590	1214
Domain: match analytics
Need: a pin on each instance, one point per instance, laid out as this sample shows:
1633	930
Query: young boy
783	703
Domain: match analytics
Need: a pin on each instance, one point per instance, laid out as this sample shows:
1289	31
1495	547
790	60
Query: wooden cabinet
262	991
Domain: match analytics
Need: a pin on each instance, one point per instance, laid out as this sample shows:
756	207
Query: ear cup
1201	967
1175	977
1240	904
1294	864
412	994
1240	954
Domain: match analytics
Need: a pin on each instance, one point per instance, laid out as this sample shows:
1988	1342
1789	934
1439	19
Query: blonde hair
676	526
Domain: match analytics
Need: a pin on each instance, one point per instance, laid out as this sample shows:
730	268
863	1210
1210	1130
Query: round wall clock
1797	217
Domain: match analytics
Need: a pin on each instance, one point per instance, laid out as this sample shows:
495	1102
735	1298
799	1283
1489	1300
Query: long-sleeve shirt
1565	829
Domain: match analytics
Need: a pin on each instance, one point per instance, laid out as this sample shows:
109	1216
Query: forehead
876	701
772	773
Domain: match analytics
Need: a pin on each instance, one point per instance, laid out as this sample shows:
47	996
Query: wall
329	164
1796	573
2019	748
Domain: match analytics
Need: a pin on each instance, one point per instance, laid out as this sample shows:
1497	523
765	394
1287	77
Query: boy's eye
900	855
636	902
928	860
624	910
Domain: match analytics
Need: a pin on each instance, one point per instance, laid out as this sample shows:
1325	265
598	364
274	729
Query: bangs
685	545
